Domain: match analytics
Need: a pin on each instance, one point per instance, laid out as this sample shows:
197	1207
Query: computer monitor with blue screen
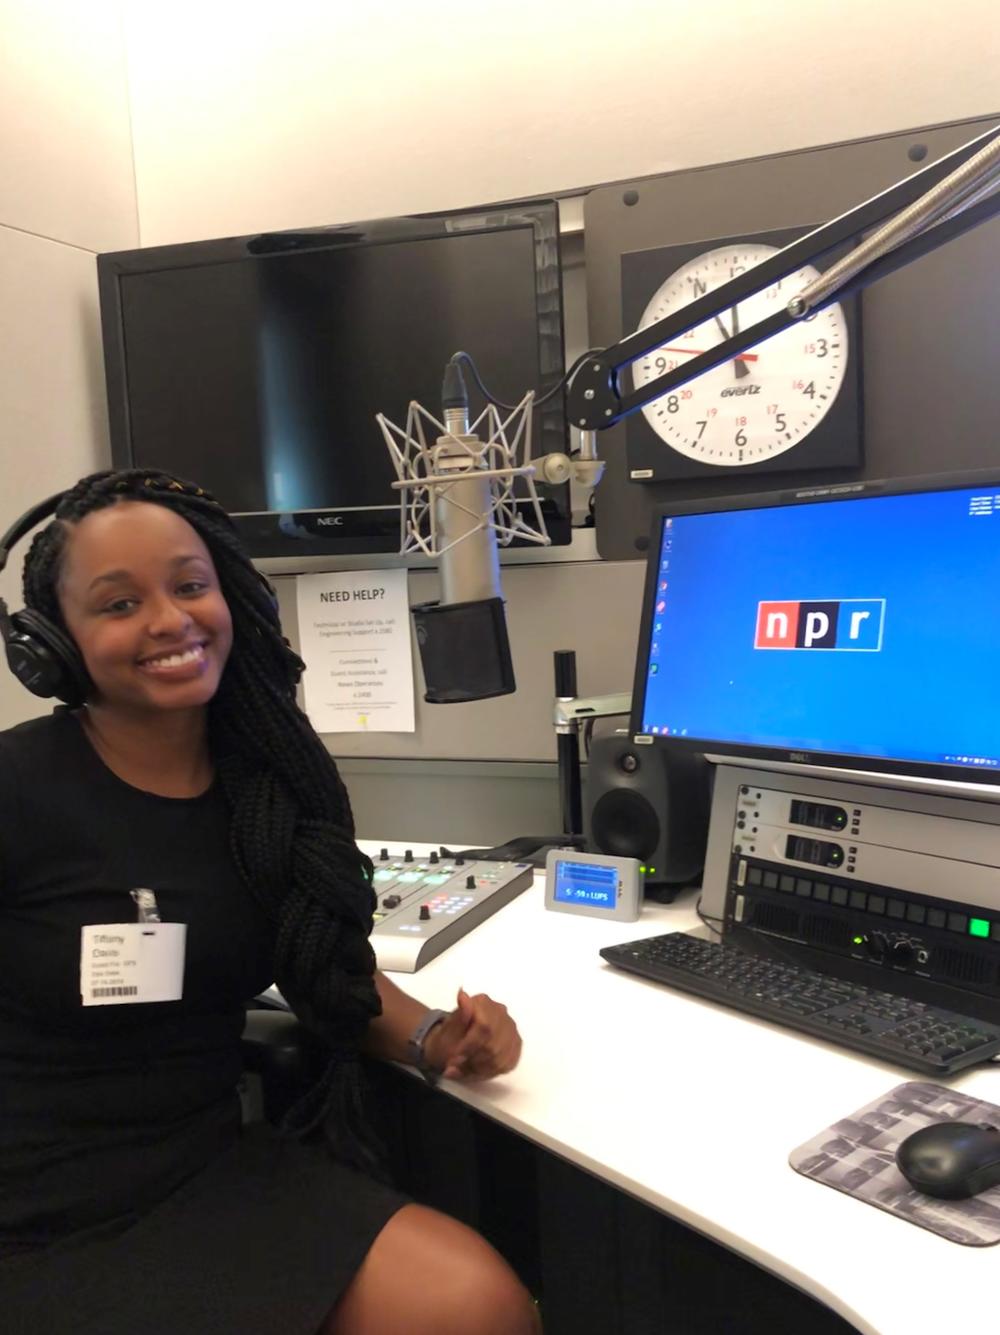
855	626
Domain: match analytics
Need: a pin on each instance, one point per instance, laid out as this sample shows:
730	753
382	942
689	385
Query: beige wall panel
342	112
52	413
65	140
591	607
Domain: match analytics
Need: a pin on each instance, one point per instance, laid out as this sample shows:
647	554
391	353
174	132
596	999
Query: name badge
125	963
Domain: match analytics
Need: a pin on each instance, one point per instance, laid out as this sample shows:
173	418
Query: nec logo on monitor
844	623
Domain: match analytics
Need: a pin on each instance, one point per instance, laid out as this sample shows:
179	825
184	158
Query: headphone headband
29	520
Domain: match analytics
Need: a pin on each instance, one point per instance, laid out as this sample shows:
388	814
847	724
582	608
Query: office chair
282	1054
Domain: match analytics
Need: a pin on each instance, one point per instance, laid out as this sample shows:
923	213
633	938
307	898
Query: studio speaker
650	803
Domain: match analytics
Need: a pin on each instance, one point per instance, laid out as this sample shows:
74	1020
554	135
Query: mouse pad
857	1155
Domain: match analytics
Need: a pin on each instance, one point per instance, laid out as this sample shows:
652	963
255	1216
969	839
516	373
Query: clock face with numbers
768	399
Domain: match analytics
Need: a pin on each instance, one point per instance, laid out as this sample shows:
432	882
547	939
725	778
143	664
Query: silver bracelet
417	1042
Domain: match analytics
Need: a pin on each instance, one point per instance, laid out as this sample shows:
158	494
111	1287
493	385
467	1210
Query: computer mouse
951	1160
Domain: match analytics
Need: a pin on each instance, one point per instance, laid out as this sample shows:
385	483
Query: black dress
131	1200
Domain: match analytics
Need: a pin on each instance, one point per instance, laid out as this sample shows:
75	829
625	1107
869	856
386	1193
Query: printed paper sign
354	634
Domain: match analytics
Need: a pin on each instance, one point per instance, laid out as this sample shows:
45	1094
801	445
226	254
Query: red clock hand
696	352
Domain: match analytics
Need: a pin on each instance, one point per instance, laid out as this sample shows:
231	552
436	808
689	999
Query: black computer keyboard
910	1033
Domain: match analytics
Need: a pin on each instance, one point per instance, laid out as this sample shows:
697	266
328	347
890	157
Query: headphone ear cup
45	659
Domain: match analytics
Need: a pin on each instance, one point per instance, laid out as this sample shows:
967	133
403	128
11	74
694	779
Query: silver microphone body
470	562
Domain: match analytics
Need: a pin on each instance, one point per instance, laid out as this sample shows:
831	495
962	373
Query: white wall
258	116
66	191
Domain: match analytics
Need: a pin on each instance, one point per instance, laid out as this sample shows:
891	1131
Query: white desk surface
694	1109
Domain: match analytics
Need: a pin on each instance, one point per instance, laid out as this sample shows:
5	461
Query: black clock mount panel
931	394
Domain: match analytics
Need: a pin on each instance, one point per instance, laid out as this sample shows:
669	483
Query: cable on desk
709	919
588	733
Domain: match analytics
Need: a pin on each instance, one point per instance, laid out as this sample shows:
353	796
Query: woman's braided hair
291	828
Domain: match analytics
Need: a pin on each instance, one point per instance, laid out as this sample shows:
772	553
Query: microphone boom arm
937	204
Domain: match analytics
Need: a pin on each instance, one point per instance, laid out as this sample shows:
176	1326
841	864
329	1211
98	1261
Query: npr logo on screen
844	623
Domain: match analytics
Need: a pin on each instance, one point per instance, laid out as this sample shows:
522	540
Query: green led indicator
979	927
859	940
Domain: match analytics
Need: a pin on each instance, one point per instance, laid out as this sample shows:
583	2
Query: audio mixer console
426	904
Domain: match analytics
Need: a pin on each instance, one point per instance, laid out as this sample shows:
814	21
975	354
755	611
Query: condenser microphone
463	641
457	503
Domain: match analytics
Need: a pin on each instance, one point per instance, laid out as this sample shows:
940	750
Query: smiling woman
183	775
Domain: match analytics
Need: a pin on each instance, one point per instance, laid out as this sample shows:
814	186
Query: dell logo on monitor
845	623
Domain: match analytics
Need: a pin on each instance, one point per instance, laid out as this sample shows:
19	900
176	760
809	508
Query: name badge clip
146	907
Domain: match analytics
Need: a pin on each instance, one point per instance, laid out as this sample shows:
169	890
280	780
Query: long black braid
291	827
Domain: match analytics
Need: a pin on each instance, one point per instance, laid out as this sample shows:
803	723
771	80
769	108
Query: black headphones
39	653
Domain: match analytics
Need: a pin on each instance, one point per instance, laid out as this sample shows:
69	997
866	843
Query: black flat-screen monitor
853	626
255	365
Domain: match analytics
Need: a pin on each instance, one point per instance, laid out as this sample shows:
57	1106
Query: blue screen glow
868	627
586	883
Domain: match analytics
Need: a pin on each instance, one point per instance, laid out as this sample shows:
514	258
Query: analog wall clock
790	403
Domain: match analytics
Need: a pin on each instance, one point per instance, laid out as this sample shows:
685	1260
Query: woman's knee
426	1272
